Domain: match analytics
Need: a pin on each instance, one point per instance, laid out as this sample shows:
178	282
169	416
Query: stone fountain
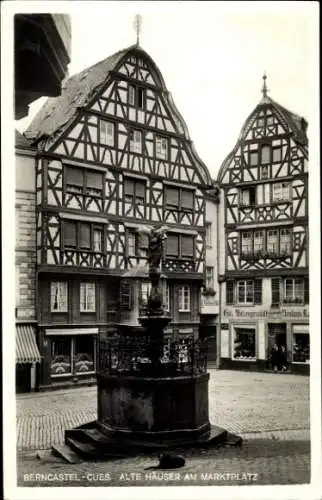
152	392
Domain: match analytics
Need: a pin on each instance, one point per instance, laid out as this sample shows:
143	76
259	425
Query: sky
212	56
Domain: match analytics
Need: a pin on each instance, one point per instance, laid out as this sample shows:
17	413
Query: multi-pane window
83	181
248	196
294	290
285	241
161	147
58	296
265	154
280	191
246	242
134	191
244	343
272	241
72	355
209	277
135	141
184	298
208	234
245	292
180	246
82	236
106	133
136	96
132	243
179	199
87	297
258	241
263	193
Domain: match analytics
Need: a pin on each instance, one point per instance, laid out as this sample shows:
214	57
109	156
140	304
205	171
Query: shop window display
244	344
301	348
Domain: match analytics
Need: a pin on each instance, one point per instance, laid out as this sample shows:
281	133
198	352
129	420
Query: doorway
23	379
276	335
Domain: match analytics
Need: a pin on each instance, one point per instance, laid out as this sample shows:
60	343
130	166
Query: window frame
179	207
159	141
137	93
251	195
282	197
182	306
208	227
69	188
136	200
180	254
66	290
72	340
106	142
294	299
245	283
77	247
85	284
235	336
135	146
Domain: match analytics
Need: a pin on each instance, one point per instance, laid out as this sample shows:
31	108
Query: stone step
91	451
66	453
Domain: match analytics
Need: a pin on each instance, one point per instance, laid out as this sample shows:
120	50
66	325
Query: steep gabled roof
76	92
296	123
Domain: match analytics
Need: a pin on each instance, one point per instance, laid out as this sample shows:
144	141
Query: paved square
270	411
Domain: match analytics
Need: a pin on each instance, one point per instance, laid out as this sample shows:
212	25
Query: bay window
184	298
87	297
244	344
59	296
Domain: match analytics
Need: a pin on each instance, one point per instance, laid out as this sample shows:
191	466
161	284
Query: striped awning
26	347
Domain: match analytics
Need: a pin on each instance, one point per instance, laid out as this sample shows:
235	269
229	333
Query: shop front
249	336
69	357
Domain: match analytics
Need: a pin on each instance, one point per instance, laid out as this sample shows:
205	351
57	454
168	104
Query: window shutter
258	292
275	291
187	246
85	236
306	291
128	187
94	180
187	199
172	196
70	234
126	295
172	243
229	292
74	176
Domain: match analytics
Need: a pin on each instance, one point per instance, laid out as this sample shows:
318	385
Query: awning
26	347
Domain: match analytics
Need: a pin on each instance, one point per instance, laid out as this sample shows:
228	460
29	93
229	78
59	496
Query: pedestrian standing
274	358
283	356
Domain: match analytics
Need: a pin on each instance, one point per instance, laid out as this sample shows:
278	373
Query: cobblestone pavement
249	404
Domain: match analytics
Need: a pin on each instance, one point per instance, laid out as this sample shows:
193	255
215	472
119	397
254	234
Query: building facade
27	353
114	155
264	259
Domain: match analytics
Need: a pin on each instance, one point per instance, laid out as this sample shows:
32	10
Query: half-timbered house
264	256
114	154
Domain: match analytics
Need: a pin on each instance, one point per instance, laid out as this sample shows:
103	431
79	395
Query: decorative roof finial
137	26
264	88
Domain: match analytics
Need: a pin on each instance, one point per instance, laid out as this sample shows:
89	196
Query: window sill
59	375
244	359
300	362
184	310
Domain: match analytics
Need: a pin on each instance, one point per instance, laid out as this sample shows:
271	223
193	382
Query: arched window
265	154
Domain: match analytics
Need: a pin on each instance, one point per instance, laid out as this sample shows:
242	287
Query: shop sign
268	314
